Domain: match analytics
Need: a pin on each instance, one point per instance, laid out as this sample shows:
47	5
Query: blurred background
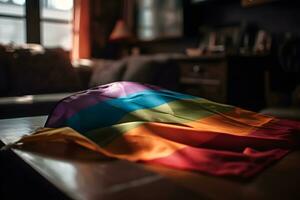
239	52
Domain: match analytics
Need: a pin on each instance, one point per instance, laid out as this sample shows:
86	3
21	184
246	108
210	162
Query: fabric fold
143	123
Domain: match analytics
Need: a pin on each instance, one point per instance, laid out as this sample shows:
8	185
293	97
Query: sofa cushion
107	71
156	70
143	69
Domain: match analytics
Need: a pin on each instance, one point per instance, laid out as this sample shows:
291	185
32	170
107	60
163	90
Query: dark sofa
27	71
161	70
33	79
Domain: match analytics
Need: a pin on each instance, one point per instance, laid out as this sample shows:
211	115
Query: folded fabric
144	123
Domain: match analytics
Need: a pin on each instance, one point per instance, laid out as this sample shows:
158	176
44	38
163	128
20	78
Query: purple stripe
74	103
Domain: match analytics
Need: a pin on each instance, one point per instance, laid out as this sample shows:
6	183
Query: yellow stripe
238	122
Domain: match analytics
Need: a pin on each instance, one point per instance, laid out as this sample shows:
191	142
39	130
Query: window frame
33	20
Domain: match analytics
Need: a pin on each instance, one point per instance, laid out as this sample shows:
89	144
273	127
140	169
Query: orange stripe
149	141
141	143
63	135
238	122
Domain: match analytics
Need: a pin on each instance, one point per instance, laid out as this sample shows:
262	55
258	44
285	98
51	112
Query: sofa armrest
84	73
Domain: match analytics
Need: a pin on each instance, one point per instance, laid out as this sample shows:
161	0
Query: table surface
82	174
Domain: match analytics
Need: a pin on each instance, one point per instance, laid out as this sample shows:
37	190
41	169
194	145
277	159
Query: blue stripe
109	112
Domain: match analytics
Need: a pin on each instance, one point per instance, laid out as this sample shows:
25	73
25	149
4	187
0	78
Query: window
53	21
159	19
12	21
57	15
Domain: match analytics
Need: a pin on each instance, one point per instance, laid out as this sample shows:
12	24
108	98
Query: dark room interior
71	69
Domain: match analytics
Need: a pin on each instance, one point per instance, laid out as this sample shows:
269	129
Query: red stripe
224	163
218	140
279	129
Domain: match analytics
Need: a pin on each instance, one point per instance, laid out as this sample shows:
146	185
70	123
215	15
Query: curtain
81	30
128	14
93	23
104	15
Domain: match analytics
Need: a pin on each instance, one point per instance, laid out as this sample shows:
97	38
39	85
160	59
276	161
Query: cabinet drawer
210	70
204	78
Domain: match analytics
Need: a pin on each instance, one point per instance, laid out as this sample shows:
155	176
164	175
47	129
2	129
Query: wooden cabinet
204	77
236	80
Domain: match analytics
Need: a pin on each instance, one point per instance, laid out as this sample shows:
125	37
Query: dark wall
103	16
276	17
172	45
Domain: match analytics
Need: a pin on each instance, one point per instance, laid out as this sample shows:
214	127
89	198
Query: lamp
118	45
120	31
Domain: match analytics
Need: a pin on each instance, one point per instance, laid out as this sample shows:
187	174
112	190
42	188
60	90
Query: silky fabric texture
144	123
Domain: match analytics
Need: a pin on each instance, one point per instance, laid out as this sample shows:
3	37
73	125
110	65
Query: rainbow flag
144	123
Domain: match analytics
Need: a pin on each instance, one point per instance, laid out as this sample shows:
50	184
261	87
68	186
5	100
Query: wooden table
73	172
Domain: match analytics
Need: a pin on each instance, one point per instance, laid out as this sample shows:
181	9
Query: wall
276	17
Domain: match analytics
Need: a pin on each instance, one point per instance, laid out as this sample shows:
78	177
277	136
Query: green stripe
178	112
104	136
107	113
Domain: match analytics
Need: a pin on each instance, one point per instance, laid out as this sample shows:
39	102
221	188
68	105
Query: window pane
57	9
14	8
158	19
147	18
147	33
12	30
57	35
